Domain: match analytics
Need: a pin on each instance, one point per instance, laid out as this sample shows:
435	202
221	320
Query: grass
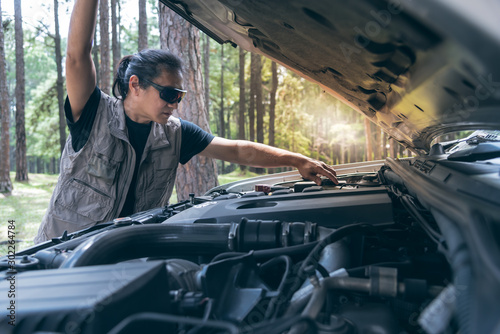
236	176
29	201
26	206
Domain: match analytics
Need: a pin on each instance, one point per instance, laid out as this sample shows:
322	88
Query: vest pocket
163	169
101	168
155	179
85	200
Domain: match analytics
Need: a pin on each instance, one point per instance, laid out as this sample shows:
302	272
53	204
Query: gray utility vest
94	182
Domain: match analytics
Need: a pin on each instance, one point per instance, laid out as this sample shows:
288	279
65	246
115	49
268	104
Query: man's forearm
260	155
252	154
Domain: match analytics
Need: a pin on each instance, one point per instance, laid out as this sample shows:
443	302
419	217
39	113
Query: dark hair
146	64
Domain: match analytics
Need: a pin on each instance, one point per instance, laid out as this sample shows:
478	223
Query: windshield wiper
474	139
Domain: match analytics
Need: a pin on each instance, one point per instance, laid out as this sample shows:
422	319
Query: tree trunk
95	57
342	152
384	145
21	164
272	104
394	148
377	147
182	39
104	47
241	114
60	80
206	71
53	166
221	110
368	140
228	122
253	88
143	26
115	40
5	182
242	106
259	106
40	166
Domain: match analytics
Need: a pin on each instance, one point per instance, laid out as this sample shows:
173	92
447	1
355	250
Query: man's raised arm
80	69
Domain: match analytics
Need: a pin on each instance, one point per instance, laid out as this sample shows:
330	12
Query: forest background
307	120
246	96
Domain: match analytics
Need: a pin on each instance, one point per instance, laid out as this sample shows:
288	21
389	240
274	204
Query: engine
363	256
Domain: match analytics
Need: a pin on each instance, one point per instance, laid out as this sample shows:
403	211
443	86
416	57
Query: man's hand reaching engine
312	170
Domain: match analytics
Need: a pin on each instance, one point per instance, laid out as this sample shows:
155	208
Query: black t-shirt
193	139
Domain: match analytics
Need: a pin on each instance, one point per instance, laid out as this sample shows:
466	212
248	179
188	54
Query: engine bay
364	256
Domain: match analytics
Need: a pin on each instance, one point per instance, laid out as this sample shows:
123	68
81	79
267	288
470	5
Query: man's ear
133	84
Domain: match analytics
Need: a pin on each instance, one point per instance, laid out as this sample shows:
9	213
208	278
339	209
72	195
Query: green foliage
42	115
308	120
39	59
236	175
129	38
42	120
153	26
10	55
231	88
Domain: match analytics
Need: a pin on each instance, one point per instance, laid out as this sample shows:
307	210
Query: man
122	153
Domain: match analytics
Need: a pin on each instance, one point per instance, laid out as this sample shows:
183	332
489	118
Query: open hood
418	69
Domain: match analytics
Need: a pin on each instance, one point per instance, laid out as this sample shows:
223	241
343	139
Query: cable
227	255
412	209
270	311
415	212
310	264
206	315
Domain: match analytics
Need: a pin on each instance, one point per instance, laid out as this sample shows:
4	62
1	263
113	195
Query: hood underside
418	69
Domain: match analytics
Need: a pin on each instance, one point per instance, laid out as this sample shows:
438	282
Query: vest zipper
91	187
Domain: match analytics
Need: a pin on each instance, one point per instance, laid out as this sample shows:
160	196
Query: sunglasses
168	94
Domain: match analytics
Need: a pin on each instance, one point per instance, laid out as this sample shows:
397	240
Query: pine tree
143	26
5	182
60	80
21	163
200	173
105	77
115	35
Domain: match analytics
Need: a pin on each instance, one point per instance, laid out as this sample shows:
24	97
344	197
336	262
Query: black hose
287	273
314	255
134	242
311	261
296	252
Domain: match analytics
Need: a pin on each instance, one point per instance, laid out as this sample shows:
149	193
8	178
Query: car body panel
418	69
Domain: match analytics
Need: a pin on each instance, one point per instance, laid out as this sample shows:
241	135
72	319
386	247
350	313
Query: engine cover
87	299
